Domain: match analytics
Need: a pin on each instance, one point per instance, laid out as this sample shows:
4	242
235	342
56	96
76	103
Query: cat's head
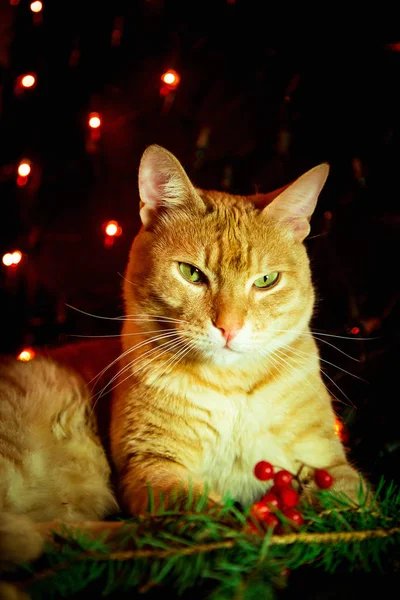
229	274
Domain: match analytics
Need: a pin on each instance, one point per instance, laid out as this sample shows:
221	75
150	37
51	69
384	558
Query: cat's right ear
294	204
163	184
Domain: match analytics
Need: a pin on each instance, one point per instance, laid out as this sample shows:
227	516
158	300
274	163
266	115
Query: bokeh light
28	81
36	6
171	78
12	258
7	259
16	257
112	228
24	168
26	354
94	120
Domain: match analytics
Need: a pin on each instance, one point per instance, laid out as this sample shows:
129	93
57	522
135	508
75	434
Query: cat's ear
163	184
295	203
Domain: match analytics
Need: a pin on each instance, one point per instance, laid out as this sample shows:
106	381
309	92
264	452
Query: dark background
256	107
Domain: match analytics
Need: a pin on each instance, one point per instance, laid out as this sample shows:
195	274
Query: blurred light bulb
24	168
7	259
171	78
16	257
36	6
112	228
94	120
28	81
26	355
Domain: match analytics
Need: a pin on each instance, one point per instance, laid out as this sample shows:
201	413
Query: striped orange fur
221	374
218	369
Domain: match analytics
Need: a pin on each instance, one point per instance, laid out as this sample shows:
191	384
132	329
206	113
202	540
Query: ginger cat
219	369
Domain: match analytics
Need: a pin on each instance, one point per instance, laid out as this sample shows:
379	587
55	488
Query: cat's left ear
296	203
163	185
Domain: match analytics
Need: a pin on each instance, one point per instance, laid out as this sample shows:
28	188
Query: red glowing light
26	355
11	259
28	81
94	120
16	257
355	330
341	431
36	6
7	259
21	181
24	168
338	427
171	78
112	228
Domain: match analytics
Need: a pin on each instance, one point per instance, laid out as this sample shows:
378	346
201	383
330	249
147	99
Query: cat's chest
240	433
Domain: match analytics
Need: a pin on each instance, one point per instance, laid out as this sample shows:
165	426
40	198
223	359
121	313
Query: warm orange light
112	228
341	430
171	78
94	120
26	354
16	257
7	259
338	427
12	258
28	81
24	168
36	6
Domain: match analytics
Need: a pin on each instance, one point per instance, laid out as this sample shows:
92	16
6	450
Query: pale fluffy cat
219	368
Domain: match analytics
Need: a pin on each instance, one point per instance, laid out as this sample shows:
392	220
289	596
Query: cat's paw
347	482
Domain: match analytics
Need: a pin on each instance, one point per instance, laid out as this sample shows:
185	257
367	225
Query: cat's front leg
162	483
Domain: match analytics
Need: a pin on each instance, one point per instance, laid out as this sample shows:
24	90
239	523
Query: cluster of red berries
282	496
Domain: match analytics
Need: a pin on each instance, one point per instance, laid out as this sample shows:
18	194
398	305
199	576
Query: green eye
191	273
266	280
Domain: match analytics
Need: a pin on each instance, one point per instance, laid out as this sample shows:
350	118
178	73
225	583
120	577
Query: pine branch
186	549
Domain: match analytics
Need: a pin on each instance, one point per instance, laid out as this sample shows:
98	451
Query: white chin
224	356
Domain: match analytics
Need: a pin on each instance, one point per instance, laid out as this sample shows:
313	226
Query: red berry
276	489
264	470
271	501
293	515
259	510
288	497
283	478
323	479
271	520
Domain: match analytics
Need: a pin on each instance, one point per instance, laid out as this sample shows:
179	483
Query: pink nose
230	333
228	327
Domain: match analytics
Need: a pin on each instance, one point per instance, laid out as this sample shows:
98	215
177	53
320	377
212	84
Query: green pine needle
187	549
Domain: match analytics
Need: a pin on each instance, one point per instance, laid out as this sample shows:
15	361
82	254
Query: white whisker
309	334
271	360
121	334
326	375
312	331
291	367
173	343
129	365
167	333
137	317
302	353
